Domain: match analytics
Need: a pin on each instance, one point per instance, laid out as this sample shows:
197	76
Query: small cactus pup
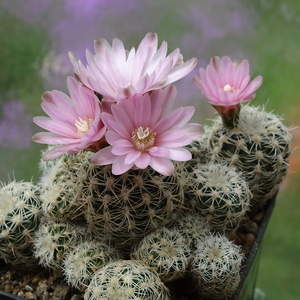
166	251
193	227
126	280
20	215
259	145
61	187
82	262
54	241
216	267
220	194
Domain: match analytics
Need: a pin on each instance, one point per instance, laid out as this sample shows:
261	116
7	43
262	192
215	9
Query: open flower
226	82
145	131
74	123
116	73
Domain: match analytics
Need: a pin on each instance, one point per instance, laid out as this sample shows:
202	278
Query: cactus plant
120	208
53	241
82	262
220	194
216	267
166	251
20	215
259	145
126	280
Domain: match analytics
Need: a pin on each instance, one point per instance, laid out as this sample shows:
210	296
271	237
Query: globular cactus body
216	267
20	215
85	259
220	194
259	145
54	241
166	251
126	280
193	227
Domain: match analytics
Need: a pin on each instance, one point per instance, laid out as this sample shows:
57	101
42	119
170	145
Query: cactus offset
166	251
126	280
85	259
216	267
220	194
20	214
193	227
54	241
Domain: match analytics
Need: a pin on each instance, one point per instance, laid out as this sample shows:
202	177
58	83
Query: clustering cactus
20	215
259	145
216	267
166	251
85	259
220	194
126	280
54	241
155	189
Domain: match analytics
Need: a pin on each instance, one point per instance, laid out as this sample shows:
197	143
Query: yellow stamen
143	138
228	88
83	125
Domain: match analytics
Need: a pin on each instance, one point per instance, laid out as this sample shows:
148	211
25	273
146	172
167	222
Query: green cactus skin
260	146
193	228
82	262
20	215
166	251
220	194
126	280
216	267
53	241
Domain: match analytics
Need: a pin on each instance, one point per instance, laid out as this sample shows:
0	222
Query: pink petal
103	157
162	165
119	167
143	161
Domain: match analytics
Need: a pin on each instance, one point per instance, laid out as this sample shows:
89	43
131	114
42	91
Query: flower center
83	126
228	88
143	138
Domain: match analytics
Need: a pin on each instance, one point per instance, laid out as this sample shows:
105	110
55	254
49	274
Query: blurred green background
36	35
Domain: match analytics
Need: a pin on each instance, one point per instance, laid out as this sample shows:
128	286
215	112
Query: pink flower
75	123
116	73
226	82
145	131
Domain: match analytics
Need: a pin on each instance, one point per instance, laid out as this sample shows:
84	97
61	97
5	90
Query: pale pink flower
116	73
74	122
145	131
226	83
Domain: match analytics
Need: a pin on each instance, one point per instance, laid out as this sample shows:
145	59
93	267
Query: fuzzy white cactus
20	215
126	280
220	194
166	251
216	267
81	264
